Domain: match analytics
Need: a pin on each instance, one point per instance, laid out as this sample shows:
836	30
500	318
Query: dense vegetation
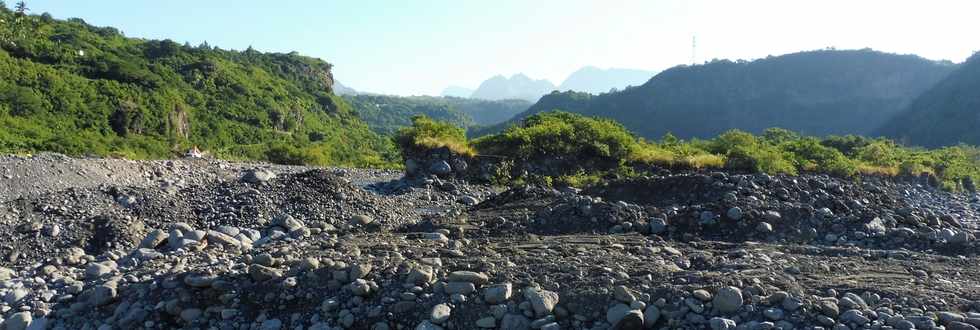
571	148
818	93
386	113
425	134
947	114
74	88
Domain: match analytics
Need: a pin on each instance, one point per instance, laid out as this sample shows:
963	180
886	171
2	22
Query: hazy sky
420	47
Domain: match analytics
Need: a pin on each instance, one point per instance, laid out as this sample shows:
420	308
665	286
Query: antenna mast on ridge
694	49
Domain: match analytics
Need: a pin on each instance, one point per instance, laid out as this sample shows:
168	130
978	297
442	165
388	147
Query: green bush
563	136
763	159
426	133
284	154
807	154
745	152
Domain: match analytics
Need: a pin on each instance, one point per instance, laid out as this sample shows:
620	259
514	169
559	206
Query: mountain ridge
819	92
946	114
517	86
593	80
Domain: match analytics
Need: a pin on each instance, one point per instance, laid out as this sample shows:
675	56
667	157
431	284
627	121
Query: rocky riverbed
208	244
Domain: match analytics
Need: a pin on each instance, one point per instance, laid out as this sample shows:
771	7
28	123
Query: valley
153	184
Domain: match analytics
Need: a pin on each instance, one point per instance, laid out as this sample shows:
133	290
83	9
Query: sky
422	46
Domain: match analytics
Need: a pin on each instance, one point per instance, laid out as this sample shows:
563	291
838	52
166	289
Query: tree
23	101
777	135
21	8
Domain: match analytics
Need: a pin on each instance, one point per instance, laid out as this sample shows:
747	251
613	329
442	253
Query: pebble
702	295
488	322
497	294
728	299
261	273
6	274
258	176
621	316
734	213
19	321
460	288
515	322
542	301
271	324
718	323
361	220
658	225
99	269
440	313
774	314
623	294
650	316
468	276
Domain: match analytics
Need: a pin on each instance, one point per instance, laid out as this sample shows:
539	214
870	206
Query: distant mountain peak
518	86
592	79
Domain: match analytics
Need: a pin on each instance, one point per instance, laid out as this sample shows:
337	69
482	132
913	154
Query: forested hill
387	113
817	92
947	114
74	88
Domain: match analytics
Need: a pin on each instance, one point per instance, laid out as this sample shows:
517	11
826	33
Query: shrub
732	141
848	144
426	133
763	159
280	153
807	154
744	152
569	139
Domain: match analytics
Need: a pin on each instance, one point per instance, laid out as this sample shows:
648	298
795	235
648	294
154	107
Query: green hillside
385	114
947	114
817	93
71	87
